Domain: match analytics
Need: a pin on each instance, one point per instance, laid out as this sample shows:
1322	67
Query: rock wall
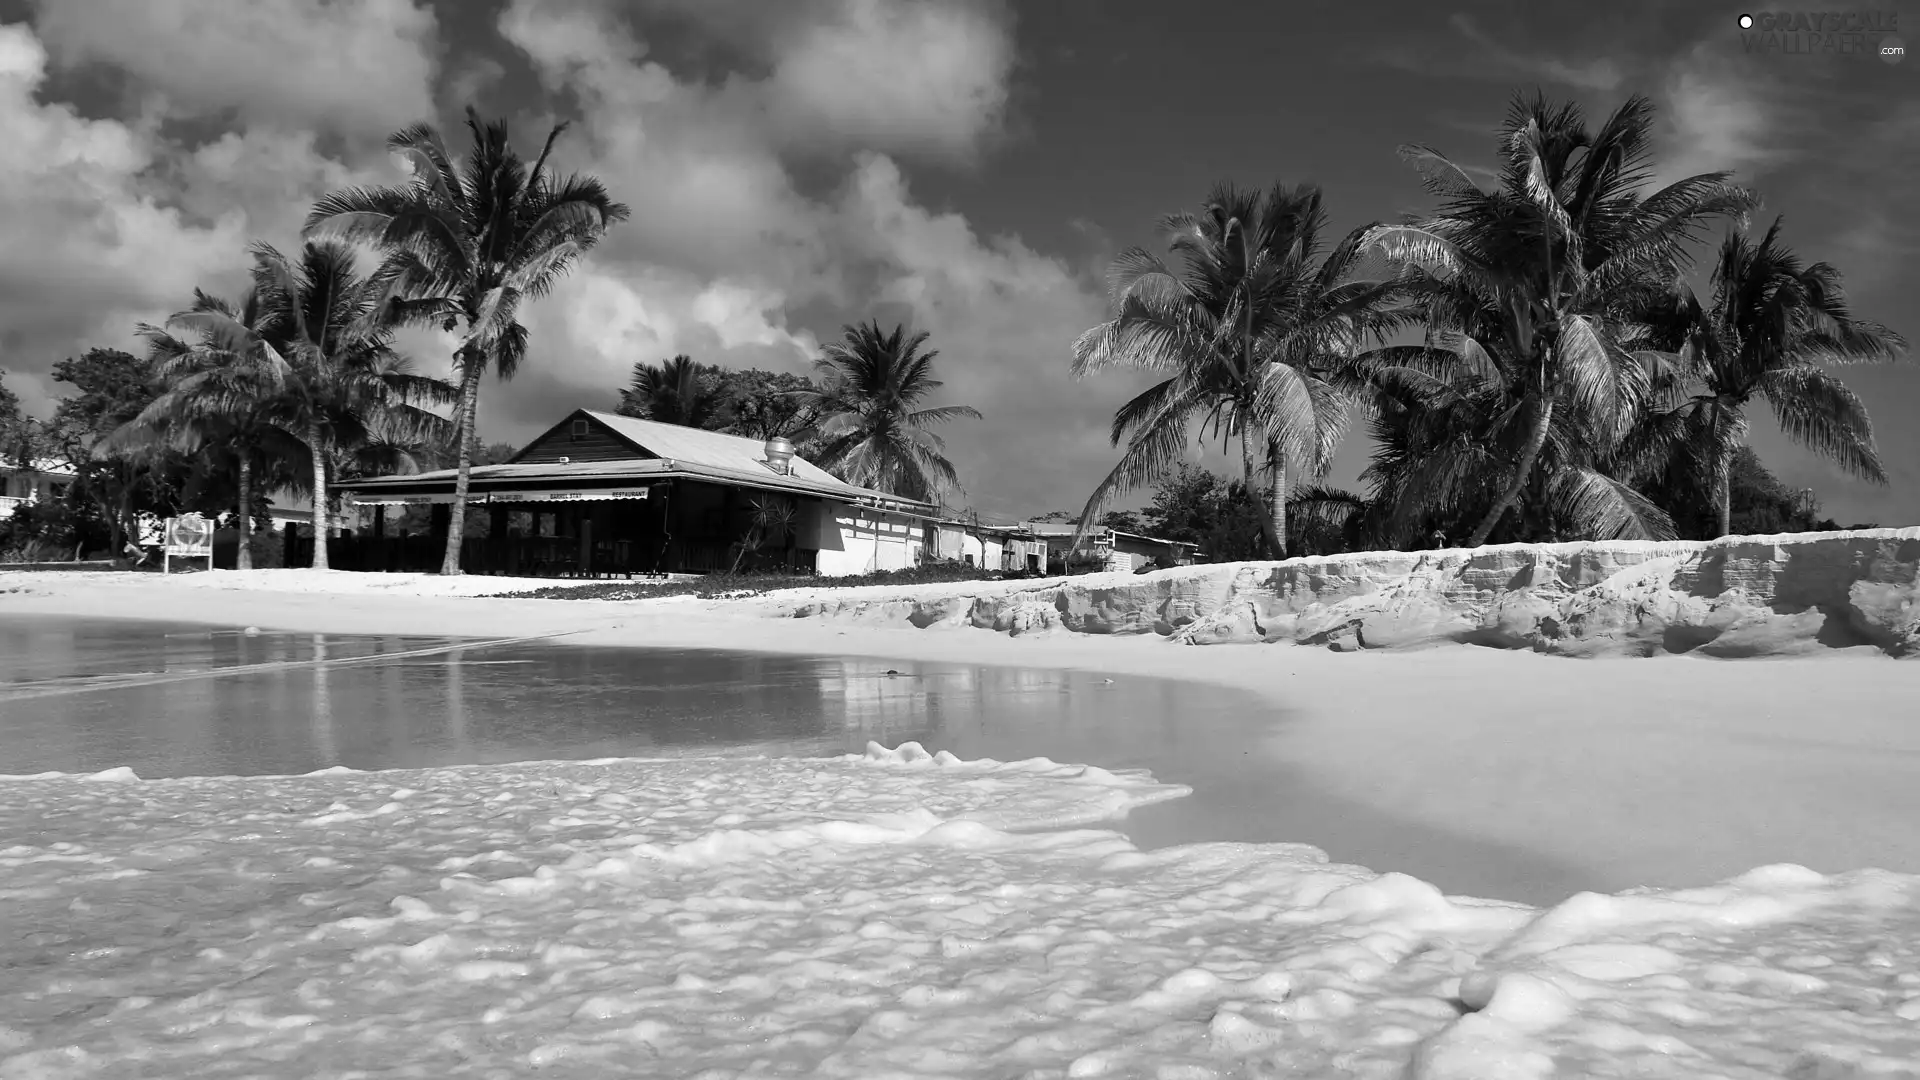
1740	596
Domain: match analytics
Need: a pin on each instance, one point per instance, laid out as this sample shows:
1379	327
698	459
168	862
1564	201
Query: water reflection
522	703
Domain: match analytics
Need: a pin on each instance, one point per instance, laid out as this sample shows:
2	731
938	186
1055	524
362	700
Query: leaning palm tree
678	391
872	431
316	362
1248	333
1769	329
1567	251
464	246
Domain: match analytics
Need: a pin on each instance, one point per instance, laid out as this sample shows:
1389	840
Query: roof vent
780	455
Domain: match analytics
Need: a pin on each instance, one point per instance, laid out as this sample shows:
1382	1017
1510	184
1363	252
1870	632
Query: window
56	491
969	558
581	429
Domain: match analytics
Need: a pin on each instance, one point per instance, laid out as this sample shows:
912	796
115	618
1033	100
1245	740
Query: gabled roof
663	451
698	446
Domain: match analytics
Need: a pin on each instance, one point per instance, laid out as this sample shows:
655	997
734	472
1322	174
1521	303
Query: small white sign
189	535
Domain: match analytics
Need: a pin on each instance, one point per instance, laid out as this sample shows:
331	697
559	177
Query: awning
588	495
477	497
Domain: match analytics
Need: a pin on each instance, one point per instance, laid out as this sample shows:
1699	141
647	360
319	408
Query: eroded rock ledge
1741	596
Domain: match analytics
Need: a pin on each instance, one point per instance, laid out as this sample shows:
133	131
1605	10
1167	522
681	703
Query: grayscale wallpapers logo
1851	33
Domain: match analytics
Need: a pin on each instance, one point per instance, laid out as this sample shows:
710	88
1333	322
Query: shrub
43	531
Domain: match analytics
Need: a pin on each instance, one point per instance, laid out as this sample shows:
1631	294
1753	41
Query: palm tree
871	430
1248	333
1771	326
310	356
1564	252
463	247
678	391
1446	414
213	399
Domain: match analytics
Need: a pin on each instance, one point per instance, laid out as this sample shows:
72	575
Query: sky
968	168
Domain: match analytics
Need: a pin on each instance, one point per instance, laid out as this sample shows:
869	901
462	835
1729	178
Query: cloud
346	66
725	244
98	251
730	256
915	78
1601	75
1717	114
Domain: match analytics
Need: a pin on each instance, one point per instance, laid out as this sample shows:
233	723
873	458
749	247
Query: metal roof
488	477
736	453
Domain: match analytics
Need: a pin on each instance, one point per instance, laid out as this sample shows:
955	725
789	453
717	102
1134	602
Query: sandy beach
1668	771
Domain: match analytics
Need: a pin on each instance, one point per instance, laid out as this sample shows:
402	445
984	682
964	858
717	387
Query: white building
45	479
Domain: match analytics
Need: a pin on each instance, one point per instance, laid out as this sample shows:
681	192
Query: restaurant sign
567	496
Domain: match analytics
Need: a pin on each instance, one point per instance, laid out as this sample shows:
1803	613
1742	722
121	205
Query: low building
601	494
44	479
1112	549
977	540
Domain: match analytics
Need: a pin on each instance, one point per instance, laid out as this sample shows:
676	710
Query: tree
1771	326
20	437
1448	418
111	388
213	400
1246	333
677	391
872	432
317	363
495	453
1550	264
761	404
463	248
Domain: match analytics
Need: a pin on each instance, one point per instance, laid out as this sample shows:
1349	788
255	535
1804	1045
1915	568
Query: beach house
977	540
1111	549
42	479
602	494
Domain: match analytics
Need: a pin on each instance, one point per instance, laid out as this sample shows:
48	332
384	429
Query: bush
714	586
43	531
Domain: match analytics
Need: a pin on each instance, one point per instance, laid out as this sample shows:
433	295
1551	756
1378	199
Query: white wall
956	543
858	540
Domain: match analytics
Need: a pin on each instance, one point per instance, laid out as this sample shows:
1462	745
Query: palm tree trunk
470	371
243	555
1277	506
1523	471
319	496
1723	490
1266	520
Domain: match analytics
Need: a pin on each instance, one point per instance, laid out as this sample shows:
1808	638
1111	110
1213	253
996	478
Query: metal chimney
780	455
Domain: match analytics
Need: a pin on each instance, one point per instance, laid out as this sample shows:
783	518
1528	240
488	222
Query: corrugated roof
722	451
484	477
683	451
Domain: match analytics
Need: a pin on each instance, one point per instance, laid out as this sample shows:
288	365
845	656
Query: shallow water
216	702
